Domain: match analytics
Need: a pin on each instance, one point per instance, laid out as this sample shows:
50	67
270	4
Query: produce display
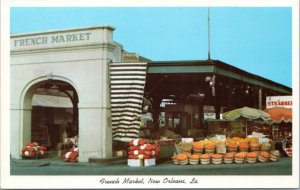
251	157
274	155
239	158
217	158
237	150
32	150
71	155
205	159
228	158
194	159
142	149
263	156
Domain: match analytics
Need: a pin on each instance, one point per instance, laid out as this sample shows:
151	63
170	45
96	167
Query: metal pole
208	19
260	98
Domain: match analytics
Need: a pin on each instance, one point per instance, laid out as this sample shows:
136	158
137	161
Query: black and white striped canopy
127	91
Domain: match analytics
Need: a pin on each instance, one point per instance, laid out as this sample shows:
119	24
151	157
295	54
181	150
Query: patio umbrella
279	114
246	113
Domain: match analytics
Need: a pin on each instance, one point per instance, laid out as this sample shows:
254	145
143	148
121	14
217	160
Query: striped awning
127	91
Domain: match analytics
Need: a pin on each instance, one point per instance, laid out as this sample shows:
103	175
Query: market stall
246	114
281	124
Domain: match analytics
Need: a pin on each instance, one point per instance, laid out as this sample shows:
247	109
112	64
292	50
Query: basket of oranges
244	147
263	156
254	146
210	148
198	148
228	158
251	157
183	159
239	158
216	158
232	147
205	159
194	159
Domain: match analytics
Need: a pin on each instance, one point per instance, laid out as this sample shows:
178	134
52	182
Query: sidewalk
57	161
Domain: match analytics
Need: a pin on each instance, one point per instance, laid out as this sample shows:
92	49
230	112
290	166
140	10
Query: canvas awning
246	113
51	101
280	114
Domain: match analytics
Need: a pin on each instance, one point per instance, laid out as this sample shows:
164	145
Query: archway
50	111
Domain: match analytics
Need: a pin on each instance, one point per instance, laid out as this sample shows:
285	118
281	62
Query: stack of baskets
175	159
265	147
194	159
198	148
274	155
221	148
239	158
251	157
217	158
254	146
210	148
205	159
244	147
186	148
232	147
228	158
263	156
183	159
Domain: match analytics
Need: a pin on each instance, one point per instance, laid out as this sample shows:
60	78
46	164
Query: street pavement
56	166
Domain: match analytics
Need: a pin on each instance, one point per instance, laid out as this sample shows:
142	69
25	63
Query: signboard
63	38
209	116
279	101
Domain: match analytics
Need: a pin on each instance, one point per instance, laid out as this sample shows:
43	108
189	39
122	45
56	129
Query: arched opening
50	113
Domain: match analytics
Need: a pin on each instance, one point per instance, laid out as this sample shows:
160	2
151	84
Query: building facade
75	62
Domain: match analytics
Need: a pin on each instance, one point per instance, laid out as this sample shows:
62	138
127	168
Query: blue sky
257	40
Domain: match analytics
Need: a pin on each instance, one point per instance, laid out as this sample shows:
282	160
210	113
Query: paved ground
55	166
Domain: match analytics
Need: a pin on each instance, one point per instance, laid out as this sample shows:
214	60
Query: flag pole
208	23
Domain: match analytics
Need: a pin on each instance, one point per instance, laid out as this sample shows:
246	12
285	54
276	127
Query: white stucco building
74	62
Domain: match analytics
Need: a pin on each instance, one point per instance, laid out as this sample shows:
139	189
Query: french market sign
59	39
64	38
279	101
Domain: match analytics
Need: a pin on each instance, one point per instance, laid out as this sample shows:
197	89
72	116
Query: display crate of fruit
263	156
251	157
183	159
194	159
266	147
205	159
33	150
175	159
254	146
198	148
244	147
274	155
186	147
210	148
228	158
232	147
217	158
239	158
221	148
